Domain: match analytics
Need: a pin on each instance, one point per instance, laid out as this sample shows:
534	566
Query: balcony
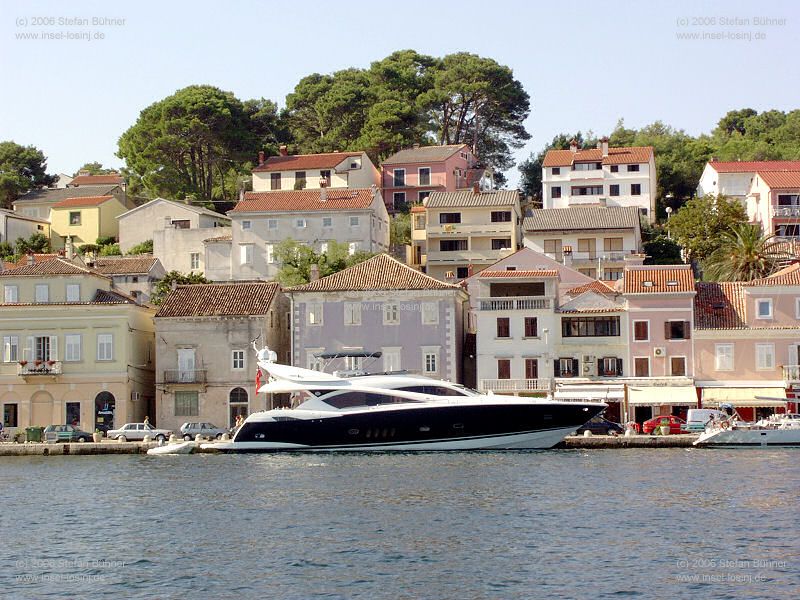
467	256
461	229
605	256
39	368
791	373
786	211
184	376
516	303
514	385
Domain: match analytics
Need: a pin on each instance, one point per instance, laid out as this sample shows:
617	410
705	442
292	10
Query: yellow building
74	349
84	220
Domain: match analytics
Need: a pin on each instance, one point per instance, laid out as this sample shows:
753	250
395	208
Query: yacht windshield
351	399
435	390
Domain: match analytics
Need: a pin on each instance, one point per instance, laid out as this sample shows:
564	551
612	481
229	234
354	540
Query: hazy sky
584	64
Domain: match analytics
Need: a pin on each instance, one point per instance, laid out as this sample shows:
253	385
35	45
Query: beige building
468	231
206	363
313	171
75	350
38	203
84	220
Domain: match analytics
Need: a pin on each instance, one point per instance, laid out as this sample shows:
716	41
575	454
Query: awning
613	393
678	395
744	396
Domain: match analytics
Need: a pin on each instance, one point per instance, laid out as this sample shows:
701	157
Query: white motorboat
174	448
779	430
398	412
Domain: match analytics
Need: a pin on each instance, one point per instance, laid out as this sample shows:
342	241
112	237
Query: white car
137	431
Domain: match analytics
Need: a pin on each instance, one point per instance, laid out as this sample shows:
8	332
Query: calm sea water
559	524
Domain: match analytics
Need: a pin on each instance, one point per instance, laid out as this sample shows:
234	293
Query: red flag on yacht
258	379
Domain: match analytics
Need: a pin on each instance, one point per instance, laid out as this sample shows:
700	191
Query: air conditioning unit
659	351
136	396
588	359
589	366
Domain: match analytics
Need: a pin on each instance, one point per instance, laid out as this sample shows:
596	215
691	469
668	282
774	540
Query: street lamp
669	214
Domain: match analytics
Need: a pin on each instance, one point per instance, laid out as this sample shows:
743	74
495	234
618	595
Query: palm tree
745	254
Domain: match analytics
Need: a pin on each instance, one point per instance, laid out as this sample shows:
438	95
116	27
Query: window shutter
667	331
556	368
600	366
28	352
575	366
619	367
53	348
794	350
687	331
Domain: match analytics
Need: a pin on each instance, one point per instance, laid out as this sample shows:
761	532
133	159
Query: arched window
238	405
238	396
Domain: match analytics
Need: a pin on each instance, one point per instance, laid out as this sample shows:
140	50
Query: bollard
587	433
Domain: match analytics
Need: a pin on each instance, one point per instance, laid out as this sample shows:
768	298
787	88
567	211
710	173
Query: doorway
73	412
104	405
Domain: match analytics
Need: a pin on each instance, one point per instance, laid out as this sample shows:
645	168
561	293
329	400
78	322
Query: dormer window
672	283
647	284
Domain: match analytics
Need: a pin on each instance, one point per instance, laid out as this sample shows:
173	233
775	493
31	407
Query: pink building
774	202
409	176
747	342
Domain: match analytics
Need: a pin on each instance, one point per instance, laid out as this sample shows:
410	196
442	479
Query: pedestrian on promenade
147	420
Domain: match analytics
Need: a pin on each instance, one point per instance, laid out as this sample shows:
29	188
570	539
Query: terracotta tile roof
56	195
670	279
305	200
719	305
301	162
55	266
782	180
219	238
467	199
595	286
381	272
789	249
219	300
133	265
424	154
36	258
112	297
616	156
86	201
418	209
509	274
742	166
110	179
787	276
582	218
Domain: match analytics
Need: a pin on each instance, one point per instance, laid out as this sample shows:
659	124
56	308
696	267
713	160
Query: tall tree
701	224
531	169
744	254
94	168
22	168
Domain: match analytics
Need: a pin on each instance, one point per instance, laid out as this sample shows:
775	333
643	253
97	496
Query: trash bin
34	434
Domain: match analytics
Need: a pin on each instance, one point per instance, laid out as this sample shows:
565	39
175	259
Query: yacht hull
732	438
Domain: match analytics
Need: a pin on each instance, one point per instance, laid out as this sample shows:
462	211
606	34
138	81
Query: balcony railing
520	303
514	385
459	229
45	367
604	256
786	211
460	256
791	373
184	376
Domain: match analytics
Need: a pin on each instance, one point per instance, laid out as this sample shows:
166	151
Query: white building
734	178
620	177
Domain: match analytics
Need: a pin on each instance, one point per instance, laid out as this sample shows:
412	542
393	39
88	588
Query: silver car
207	430
137	431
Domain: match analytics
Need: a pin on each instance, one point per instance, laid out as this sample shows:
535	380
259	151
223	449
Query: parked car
599	425
207	430
137	431
65	433
676	424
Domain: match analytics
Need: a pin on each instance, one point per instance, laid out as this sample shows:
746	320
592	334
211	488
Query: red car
676	424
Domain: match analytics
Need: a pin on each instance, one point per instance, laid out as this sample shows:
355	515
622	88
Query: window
194	260
765	357
105	346
399	176
314	313
399	199
501	243
181	224
587	248
430	313
552	248
447	218
353	247
272	223
11	294
73	292
274	181
424	176
462	272
787	230
587	190
300	223
676	330
501	216
452	245
186	404
324	176
72	347
430	362
612	274
300	180
10	415
556	170
723	359
641	331
75	218
677	366
42	292
353	221
270	253
633	168
352	313
612	244
323	247
586	166
614	168
10	348
641	367
247	224
391	359
45	347
327	221
613	189
531	368
237	360
503	327
636	189
555	192
504	368
609	366
565	367
391	313
764	308
797	307
531	327
589	326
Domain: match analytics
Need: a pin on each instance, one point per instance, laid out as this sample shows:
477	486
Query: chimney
31	259
604	145
313	273
284	151
323	194
573	145
70	252
476	188
260	158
